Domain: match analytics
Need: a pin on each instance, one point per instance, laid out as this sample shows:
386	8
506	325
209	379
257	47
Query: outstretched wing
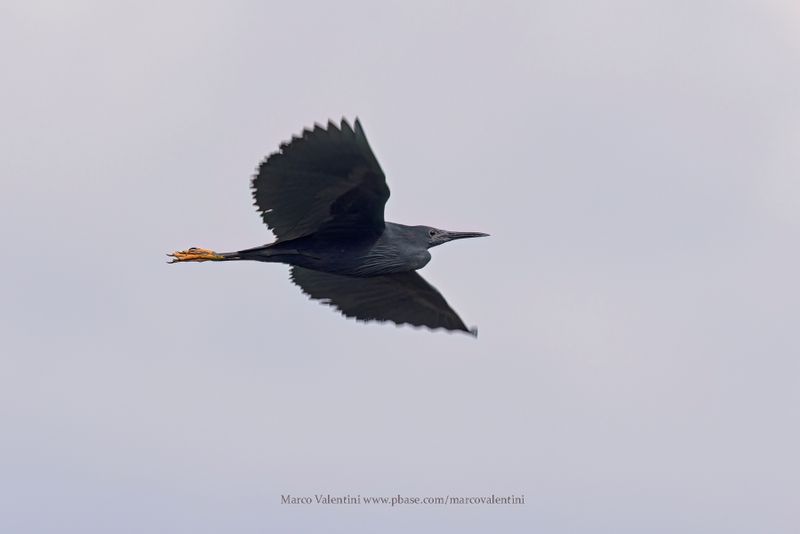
400	298
325	180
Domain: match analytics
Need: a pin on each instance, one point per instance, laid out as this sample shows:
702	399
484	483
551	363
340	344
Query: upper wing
400	298
325	180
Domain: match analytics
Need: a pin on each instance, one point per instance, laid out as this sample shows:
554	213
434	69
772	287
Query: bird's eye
431	233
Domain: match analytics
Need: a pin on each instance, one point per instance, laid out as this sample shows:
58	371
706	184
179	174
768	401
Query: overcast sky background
637	367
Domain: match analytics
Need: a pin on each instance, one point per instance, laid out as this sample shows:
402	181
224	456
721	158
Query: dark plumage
323	196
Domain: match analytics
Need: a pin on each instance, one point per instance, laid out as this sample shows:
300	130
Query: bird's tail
268	253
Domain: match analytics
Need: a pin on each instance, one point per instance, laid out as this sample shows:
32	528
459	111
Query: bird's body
399	248
323	196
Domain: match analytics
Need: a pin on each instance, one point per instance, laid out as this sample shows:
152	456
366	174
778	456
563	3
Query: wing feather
399	298
325	180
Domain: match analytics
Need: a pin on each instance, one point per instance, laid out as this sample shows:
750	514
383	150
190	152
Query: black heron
322	194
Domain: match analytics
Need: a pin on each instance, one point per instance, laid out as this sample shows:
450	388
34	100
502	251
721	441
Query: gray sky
637	367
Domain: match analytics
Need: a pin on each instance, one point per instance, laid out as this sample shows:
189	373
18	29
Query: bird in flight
322	195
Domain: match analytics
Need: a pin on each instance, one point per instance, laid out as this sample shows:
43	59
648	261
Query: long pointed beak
450	236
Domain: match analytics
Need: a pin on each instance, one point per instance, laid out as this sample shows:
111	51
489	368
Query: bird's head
437	237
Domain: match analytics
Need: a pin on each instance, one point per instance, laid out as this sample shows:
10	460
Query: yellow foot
195	254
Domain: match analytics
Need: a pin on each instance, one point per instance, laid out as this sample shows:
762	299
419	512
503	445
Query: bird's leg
195	254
